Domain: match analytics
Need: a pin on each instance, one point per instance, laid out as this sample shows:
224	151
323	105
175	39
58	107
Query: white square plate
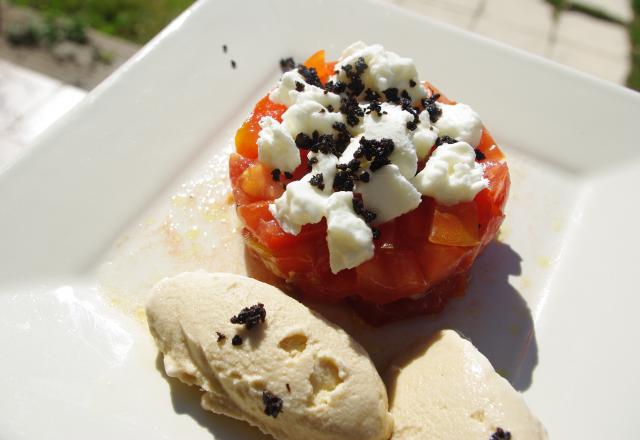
553	307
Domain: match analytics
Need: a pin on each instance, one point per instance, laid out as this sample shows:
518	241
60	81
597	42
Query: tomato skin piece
421	258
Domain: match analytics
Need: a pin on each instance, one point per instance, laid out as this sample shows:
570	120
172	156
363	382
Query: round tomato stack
421	258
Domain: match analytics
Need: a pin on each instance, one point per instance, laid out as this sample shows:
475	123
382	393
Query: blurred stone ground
589	35
577	39
40	83
80	65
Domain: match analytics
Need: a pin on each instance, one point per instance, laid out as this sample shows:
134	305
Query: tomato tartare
420	258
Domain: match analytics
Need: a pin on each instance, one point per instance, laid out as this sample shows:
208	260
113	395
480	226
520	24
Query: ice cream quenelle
449	390
262	357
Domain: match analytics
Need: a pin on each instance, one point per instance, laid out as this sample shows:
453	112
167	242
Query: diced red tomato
390	275
421	258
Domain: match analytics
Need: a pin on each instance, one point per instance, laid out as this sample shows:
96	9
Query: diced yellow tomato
455	225
247	135
257	182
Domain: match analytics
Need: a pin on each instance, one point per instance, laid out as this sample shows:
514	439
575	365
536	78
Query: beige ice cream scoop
294	375
447	389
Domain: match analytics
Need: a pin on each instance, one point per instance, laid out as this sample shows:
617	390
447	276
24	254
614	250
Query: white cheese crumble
460	122
393	125
388	194
287	84
325	165
385	70
299	205
349	238
287	94
451	175
424	136
276	147
308	116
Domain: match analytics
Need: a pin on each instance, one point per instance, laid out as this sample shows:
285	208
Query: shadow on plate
186	400
492	314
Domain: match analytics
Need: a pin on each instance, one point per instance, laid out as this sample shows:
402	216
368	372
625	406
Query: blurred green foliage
633	80
50	32
577	6
136	20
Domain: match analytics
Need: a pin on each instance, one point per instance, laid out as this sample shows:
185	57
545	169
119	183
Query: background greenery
140	20
136	20
634	33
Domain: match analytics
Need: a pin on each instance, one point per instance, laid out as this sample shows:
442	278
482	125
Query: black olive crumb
342	138
335	87
479	155
358	207
233	64
376	233
392	95
303	141
353	165
445	140
288	175
221	336
364	177
343	182
500	434
432	108
299	86
412	83
236	340
350	107
224	48
272	404
355	86
378	162
250	316
275	174
310	75
287	64
374	106
317	180
371	95
411	125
